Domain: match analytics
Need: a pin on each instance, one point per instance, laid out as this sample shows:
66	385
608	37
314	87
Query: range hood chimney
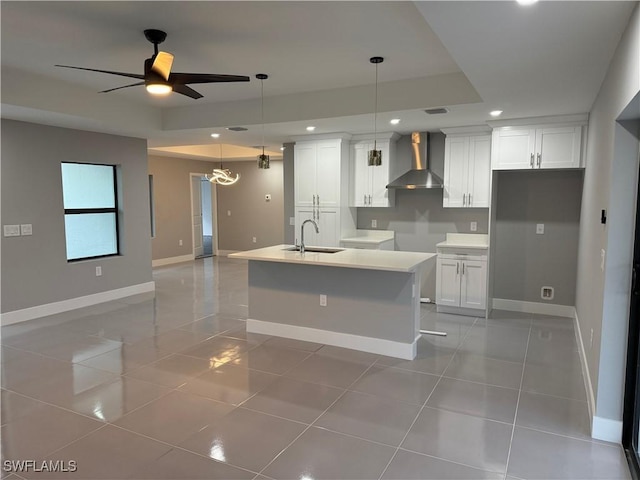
419	176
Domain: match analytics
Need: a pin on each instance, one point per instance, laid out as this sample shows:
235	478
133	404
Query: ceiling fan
158	78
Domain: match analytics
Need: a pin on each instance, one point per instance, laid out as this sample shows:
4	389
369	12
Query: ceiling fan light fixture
159	88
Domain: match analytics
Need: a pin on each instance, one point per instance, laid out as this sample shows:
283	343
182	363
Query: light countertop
392	261
374	237
477	241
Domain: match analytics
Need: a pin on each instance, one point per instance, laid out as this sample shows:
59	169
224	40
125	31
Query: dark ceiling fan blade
186	78
188	91
122	74
124	86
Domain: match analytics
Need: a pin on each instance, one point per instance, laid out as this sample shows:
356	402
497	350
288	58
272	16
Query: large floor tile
322	454
481	369
370	417
414	466
554	414
42	431
292	343
173	341
174	417
275	360
229	384
498	342
177	464
125	358
536	455
108	453
472	441
429	359
14	406
171	371
214	324
294	399
479	400
218	349
397	384
20	366
245	439
557	380
327	370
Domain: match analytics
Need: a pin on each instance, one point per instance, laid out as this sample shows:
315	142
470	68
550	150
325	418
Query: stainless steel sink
315	249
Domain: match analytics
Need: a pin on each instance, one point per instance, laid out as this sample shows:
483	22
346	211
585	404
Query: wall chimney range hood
419	176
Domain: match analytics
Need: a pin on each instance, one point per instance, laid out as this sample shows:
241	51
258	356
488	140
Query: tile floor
173	387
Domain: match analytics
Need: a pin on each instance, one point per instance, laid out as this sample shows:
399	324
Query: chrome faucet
302	232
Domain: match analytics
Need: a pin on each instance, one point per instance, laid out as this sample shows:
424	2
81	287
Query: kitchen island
366	300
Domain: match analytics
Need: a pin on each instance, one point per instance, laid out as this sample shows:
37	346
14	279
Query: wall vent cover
436	111
237	129
546	293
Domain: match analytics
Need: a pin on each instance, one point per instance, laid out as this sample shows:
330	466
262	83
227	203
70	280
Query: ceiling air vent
436	111
237	129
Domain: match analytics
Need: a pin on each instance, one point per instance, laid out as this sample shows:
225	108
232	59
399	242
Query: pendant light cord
262	111
375	113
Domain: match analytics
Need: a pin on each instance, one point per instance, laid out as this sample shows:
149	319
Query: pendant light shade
222	176
263	160
375	155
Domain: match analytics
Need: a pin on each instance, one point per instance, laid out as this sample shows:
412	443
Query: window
90	210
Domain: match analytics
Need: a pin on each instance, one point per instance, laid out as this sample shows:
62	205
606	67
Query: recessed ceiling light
495	113
215	135
394	121
527	2
310	128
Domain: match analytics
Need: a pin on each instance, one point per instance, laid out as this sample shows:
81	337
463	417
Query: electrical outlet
540	229
292	220
323	300
474	226
98	271
374	224
228	213
180	242
254	240
12	230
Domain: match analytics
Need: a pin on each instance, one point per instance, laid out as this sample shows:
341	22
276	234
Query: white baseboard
606	429
533	307
406	351
588	386
171	260
39	311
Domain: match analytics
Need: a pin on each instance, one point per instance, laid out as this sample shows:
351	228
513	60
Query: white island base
372	298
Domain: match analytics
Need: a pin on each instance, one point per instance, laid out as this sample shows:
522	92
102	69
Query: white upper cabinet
537	147
467	170
368	186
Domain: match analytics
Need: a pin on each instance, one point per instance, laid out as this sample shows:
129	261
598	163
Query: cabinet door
456	154
448	282
361	183
379	176
310	235
513	149
328	173
329	226
479	171
473	288
558	147
304	160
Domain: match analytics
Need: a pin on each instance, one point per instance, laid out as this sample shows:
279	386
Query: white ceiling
472	57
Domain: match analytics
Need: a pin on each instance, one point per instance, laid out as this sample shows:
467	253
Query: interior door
196	216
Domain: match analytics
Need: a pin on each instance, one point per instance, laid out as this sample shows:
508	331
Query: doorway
203	216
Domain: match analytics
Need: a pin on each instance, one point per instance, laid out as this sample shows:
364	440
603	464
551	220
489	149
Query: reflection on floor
207	246
173	387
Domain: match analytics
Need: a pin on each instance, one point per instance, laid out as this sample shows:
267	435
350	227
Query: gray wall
289	199
250	216
525	261
35	270
602	298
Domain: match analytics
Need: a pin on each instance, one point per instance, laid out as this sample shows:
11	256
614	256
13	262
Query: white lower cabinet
461	283
328	220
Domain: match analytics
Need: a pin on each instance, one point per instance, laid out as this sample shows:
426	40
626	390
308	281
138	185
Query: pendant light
222	176
263	160
375	155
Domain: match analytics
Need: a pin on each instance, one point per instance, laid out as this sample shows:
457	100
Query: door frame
214	213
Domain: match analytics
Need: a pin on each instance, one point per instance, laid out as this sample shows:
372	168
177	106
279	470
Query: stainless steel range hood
419	176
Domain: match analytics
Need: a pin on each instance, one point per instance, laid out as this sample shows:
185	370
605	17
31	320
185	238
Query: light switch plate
374	224
292	220
540	228
26	229
12	230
